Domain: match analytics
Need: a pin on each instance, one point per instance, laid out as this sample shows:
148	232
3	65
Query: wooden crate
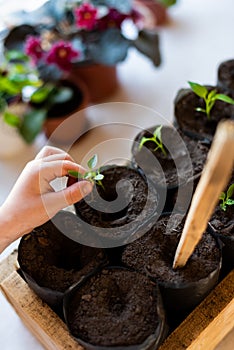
209	327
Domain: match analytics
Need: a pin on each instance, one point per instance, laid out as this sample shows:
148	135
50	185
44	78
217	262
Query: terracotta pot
67	128
153	12
101	80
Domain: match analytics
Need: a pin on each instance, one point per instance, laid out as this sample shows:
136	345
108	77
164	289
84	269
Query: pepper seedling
226	198
209	97
92	175
156	138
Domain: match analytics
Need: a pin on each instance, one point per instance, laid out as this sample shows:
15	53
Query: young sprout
208	97
92	175
226	198
156	138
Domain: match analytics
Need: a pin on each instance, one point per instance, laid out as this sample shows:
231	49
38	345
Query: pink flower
86	16
113	19
62	54
33	48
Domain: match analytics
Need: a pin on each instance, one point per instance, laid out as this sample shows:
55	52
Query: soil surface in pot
116	307
154	253
123	204
55	261
184	158
226	75
190	120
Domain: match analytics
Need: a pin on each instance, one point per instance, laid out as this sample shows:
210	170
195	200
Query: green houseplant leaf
32	124
198	89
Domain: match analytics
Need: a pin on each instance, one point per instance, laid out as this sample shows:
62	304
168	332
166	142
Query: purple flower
62	54
113	19
33	48
86	16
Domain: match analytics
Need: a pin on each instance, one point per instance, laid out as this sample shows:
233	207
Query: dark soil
154	253
226	75
184	160
190	120
115	308
55	261
124	201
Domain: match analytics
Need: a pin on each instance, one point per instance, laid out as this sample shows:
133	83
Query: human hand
33	201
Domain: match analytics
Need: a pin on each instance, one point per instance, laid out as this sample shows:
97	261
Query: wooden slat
8	265
209	323
37	316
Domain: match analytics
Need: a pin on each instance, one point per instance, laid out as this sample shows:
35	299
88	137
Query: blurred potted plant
20	122
101	30
60	94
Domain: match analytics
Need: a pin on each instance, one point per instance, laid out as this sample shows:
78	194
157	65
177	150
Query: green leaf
16	55
212	95
11	119
222	196
92	161
230	202
9	87
224	98
73	173
3	104
32	124
198	89
223	206
62	95
143	141
157	133
199	109
230	191
41	94
148	44
98	177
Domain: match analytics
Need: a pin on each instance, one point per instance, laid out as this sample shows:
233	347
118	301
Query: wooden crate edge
46	326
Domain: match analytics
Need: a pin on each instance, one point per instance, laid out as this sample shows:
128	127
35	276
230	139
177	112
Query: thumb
55	201
77	191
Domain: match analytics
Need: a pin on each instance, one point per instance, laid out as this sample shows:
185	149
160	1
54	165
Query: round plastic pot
151	342
122	209
51	262
226	75
228	246
153	255
178	170
190	120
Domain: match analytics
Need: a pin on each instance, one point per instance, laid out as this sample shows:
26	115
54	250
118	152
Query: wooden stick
215	176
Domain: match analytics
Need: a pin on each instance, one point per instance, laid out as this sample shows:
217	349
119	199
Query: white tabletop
198	37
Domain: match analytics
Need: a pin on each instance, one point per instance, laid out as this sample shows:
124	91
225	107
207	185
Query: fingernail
86	187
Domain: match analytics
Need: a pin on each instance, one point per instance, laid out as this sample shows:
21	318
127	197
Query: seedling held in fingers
156	138
209	97
226	198
92	175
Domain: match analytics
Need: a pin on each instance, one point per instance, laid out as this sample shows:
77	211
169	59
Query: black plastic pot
222	227
51	262
116	312
178	170
122	209
188	119
226	75
153	255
